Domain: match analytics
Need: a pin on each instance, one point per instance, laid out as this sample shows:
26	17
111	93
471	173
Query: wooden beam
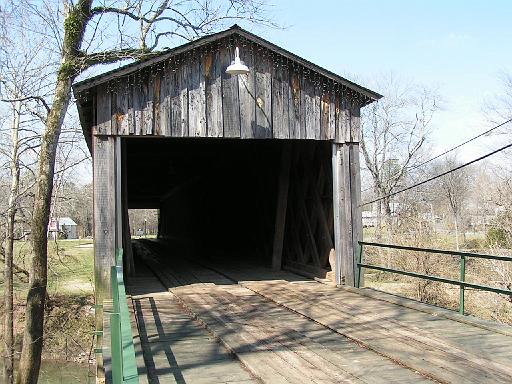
337	200
129	263
104	224
347	210
282	202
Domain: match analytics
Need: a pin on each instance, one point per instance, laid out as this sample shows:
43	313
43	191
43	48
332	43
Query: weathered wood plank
165	103
317	110
213	73
148	118
280	99
263	89
196	98
355	202
138	106
311	110
103	111
122	113
246	91
355	122
129	263
294	113
104	220
332	116
179	102
162	103
325	115
343	122
230	100
339	218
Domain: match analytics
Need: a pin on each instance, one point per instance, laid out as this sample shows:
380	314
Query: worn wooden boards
290	330
193	96
171	346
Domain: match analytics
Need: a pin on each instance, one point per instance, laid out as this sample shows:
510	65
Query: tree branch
37	98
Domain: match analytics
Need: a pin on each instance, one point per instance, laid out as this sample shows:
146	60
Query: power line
452	149
437	176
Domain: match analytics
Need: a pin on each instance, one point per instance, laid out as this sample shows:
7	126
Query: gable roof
86	84
66	221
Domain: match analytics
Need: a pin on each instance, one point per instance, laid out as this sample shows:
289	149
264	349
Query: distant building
65	226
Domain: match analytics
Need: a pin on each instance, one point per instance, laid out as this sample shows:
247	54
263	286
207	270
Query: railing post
462	279
359	268
116	348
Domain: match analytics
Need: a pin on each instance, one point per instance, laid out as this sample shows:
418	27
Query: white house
64	225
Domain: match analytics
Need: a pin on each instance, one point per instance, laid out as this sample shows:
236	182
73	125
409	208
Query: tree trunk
9	252
456	224
30	360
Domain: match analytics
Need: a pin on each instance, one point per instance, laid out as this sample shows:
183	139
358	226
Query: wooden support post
119	204
338	200
282	202
348	228
129	264
104	225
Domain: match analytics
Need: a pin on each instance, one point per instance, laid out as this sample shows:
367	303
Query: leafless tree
455	189
20	77
394	132
86	33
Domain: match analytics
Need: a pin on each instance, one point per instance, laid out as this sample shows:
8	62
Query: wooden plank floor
172	347
286	329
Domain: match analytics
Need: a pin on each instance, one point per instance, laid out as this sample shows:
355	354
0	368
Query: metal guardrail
461	282
124	366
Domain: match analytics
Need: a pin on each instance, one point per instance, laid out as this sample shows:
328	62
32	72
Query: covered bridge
256	178
264	164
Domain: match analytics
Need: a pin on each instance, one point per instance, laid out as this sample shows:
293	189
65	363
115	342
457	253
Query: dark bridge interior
213	195
219	197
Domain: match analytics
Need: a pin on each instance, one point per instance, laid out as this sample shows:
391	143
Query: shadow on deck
222	320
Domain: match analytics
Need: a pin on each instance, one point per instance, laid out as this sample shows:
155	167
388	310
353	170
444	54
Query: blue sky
459	47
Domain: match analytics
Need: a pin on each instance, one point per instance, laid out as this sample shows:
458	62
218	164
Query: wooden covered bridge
256	178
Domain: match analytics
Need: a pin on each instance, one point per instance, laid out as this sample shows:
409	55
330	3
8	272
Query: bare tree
455	189
20	77
83	37
394	131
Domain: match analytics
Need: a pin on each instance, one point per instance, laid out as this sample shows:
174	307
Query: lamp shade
237	66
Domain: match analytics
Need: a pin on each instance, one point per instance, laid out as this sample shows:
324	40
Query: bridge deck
231	325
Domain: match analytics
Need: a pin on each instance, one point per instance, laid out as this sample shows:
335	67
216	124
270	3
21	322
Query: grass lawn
69	320
70	267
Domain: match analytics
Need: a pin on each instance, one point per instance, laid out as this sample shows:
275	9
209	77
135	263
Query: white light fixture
237	66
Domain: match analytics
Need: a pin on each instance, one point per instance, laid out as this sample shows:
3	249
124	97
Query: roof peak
86	84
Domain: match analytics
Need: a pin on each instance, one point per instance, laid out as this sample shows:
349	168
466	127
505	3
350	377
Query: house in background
63	225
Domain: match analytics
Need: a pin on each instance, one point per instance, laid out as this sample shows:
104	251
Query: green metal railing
461	282
124	366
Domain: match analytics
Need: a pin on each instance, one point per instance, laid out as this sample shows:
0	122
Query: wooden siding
193	96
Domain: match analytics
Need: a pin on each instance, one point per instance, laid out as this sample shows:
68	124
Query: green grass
70	267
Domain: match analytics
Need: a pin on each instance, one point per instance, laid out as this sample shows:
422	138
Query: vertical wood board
280	100
196	98
294	107
263	91
246	91
230	100
213	74
103	111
